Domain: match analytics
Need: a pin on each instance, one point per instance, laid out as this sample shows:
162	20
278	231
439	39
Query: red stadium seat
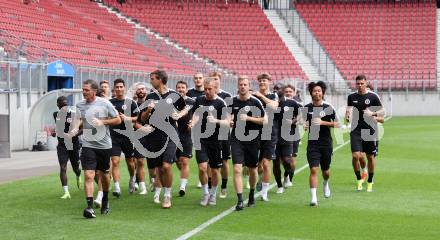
70	29
236	31
398	38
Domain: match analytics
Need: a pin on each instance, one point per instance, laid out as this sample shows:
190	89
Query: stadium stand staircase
312	47
292	44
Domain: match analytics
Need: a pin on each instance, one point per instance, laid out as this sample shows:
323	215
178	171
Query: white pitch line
232	209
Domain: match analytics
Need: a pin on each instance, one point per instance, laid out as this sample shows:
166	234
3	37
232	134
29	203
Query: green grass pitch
404	204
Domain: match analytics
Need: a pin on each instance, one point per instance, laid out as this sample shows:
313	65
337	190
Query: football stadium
219	119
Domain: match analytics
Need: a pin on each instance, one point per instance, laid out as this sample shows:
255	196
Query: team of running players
252	128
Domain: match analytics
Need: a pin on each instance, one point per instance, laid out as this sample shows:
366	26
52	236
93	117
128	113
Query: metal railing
24	77
31	77
25	66
30	74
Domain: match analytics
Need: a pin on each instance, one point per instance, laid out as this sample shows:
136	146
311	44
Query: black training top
362	102
162	102
209	108
139	104
271	96
288	108
224	94
126	106
245	107
67	122
194	93
182	123
321	136
271	114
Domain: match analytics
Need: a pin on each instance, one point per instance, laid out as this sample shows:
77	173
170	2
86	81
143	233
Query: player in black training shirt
159	120
269	135
68	147
206	123
197	90
248	116
140	95
320	117
184	130
128	112
364	111
226	144
288	138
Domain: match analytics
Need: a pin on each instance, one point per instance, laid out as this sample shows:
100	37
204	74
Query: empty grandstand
236	35
82	33
386	40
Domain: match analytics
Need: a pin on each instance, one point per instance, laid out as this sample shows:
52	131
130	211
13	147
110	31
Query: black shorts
187	147
267	150
151	164
211	153
319	156
95	159
64	155
122	144
137	154
226	149
246	154
360	145
168	156
295	147
284	150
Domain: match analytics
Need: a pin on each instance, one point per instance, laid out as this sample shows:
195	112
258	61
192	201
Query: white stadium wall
19	118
